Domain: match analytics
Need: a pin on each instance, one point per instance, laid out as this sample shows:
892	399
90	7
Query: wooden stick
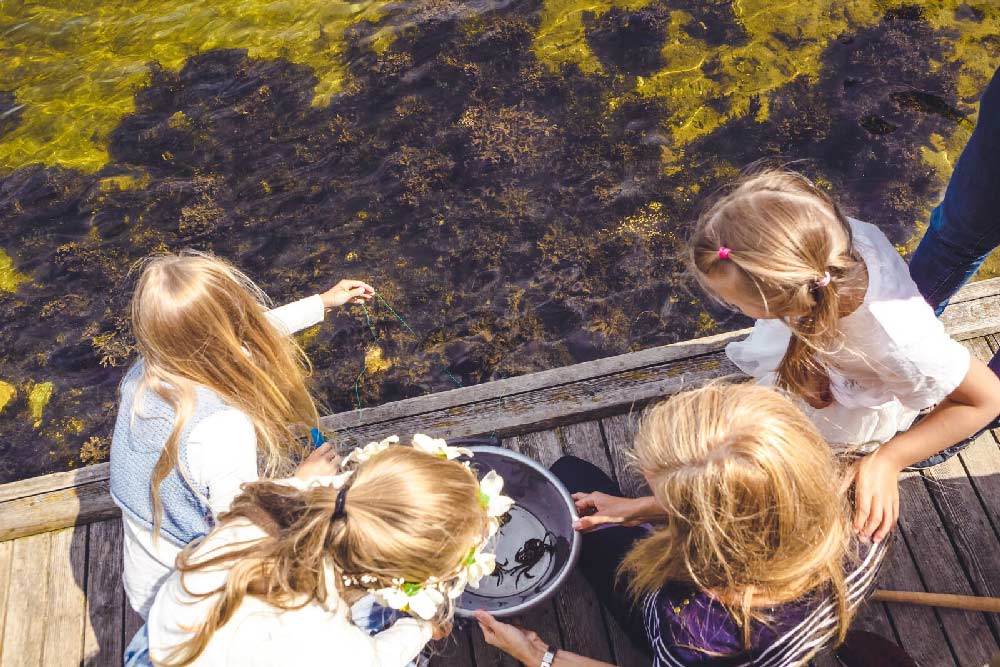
966	602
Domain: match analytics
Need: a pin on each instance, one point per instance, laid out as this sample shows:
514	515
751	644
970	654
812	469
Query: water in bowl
513	577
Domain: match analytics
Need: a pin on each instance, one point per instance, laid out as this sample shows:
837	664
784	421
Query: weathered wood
918	628
67	604
619	431
939	567
626	653
585	440
133	621
979	289
103	633
26	603
541	408
456	650
873	618
57	509
6	549
969	527
53	482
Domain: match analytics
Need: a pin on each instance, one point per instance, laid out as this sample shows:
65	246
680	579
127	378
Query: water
516	178
523	526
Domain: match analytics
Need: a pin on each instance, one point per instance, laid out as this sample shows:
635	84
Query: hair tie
724	252
338	510
824	281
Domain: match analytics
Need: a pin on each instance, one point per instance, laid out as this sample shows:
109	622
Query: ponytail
402	514
790	247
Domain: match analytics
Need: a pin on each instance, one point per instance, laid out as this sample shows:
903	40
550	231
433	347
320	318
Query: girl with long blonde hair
842	327
274	582
217	398
750	559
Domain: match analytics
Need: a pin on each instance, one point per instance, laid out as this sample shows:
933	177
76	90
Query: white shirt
897	358
222	455
259	635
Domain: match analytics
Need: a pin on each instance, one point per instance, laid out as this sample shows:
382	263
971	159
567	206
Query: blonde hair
784	235
407	515
200	321
752	499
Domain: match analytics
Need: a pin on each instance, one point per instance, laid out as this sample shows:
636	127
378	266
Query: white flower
423	600
438	447
426	602
495	503
482	566
362	454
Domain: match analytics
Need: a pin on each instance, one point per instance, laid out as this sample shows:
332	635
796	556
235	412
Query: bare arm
973	404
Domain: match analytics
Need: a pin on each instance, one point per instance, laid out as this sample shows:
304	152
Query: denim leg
603	550
964	227
137	651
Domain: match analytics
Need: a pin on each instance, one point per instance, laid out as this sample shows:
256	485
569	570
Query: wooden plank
941	571
873	617
542	408
619	431
53	482
24	630
133	621
585	440
67	604
103	632
970	319
969	528
456	650
502	390
918	629
976	290
57	509
982	460
6	555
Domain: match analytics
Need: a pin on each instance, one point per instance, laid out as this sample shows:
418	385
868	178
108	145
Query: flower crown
424	599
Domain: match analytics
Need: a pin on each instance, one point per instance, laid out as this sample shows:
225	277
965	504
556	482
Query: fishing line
371	328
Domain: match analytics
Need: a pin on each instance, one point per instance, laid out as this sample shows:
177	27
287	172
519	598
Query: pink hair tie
824	281
724	252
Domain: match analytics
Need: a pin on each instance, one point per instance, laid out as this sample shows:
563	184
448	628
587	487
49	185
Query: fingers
889	520
863	501
585	503
587	523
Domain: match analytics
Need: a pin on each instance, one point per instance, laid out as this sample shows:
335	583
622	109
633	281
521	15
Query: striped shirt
687	627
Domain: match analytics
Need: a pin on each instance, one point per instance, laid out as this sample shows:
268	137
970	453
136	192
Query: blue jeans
965	227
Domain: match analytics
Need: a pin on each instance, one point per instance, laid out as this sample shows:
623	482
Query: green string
371	327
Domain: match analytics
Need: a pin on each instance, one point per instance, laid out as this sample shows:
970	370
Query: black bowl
541	518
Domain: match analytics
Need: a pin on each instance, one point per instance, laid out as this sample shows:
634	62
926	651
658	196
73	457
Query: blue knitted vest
140	434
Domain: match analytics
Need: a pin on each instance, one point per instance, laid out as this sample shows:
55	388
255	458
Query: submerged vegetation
516	182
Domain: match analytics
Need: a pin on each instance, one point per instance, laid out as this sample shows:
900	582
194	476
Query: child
752	561
840	325
219	386
273	583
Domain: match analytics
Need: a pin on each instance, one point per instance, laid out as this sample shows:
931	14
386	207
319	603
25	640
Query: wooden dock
61	601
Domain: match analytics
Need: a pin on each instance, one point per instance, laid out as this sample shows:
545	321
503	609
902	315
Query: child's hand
597	509
321	462
347	291
876	493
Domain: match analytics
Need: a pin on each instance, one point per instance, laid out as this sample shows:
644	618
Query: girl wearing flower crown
841	325
275	581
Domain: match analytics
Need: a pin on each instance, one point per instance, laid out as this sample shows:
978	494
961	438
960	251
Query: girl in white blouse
273	583
217	396
840	325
